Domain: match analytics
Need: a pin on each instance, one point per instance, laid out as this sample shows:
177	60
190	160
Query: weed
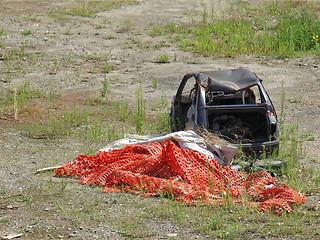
160	124
140	111
59	15
282	113
106	82
315	40
277	30
162	59
156	31
27	198
15	104
164	101
295	100
26	32
3	32
111	37
122	110
154	83
58	125
4	220
114	133
82	11
308	137
14	54
105	88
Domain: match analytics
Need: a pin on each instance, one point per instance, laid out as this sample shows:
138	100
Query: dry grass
212	138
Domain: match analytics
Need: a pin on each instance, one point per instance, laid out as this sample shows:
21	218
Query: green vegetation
278	30
140	111
3	32
106	82
82	11
91	8
162	59
27	32
154	83
95	121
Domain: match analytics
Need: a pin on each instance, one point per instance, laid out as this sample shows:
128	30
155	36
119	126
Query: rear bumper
259	148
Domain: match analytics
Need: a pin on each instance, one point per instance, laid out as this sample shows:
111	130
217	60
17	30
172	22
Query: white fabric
186	140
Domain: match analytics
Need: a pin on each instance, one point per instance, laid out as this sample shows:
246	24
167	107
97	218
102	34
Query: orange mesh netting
189	176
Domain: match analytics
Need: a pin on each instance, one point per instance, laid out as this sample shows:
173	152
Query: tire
271	164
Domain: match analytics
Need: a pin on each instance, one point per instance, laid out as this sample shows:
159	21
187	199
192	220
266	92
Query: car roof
228	80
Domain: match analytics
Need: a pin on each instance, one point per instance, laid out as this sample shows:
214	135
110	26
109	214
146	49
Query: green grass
162	59
140	111
3	32
57	125
26	32
278	30
155	83
82	11
17	100
104	122
95	121
123	110
106	82
90	8
15	54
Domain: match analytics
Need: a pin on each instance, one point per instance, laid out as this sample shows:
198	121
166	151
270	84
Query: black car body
232	103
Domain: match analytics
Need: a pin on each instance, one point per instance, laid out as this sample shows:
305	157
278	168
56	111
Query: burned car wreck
232	103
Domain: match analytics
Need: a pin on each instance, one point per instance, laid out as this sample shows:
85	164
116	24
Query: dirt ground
60	47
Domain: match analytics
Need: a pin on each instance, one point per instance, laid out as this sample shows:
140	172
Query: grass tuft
3	32
26	32
162	59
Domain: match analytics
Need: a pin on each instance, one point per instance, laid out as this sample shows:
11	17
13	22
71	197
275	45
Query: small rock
172	234
9	206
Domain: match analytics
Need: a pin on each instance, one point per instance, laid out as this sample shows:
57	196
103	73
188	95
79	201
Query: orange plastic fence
187	175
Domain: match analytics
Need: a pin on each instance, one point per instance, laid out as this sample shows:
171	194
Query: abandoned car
232	103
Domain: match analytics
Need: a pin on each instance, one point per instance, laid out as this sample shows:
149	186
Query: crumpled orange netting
189	176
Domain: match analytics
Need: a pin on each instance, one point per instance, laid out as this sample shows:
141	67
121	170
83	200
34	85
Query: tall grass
278	30
291	151
106	81
100	123
140	111
57	125
228	221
